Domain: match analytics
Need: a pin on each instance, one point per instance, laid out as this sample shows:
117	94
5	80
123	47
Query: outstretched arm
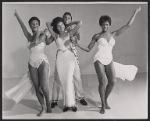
53	34
74	30
129	23
90	46
25	31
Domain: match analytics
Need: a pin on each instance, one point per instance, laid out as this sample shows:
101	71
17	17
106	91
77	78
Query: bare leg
101	77
110	73
44	83
35	80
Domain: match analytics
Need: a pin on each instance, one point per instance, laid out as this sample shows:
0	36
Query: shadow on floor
8	104
91	102
60	104
31	104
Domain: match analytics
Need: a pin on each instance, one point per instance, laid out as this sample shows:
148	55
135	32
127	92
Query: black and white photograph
75	60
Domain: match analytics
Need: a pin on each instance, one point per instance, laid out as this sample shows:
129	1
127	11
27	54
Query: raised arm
90	46
25	31
78	36
74	30
129	23
49	39
53	34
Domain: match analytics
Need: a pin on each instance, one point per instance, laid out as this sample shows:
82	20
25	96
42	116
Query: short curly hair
34	18
103	19
54	23
67	13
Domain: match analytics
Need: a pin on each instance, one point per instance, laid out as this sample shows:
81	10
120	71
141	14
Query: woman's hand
139	9
74	40
15	14
47	33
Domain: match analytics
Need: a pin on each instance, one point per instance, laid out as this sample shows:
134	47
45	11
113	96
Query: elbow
128	24
88	50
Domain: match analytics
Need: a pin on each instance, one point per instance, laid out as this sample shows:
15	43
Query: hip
35	61
65	56
105	60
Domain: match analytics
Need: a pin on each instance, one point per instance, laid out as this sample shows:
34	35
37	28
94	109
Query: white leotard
104	53
37	55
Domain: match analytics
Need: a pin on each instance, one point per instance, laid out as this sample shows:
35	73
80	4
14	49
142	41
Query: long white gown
77	81
65	64
104	56
25	85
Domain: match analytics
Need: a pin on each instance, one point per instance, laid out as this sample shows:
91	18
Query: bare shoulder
113	33
96	36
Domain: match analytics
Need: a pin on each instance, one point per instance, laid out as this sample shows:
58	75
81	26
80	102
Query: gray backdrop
131	47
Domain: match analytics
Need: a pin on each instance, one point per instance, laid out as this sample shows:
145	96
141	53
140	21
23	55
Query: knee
45	89
101	81
112	81
37	90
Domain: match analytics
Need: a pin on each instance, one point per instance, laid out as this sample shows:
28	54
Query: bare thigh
100	70
110	72
34	76
44	74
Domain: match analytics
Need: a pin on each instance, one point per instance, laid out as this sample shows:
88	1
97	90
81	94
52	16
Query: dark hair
67	13
103	19
34	18
54	23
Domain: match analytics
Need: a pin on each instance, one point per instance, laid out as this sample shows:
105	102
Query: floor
128	100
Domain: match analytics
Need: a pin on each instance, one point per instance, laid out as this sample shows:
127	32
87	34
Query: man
77	75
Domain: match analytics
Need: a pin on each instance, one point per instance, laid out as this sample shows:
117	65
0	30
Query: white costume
77	76
104	56
65	64
37	56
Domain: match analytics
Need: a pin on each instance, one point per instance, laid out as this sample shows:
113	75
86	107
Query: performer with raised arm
103	60
65	62
39	68
67	17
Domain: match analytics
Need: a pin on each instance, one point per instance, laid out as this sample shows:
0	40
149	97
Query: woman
38	65
103	59
67	17
65	62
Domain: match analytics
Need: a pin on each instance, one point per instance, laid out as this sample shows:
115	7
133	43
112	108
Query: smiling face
105	26
61	27
34	25
67	19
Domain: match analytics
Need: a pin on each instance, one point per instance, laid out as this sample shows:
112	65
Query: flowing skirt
23	87
125	72
65	65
